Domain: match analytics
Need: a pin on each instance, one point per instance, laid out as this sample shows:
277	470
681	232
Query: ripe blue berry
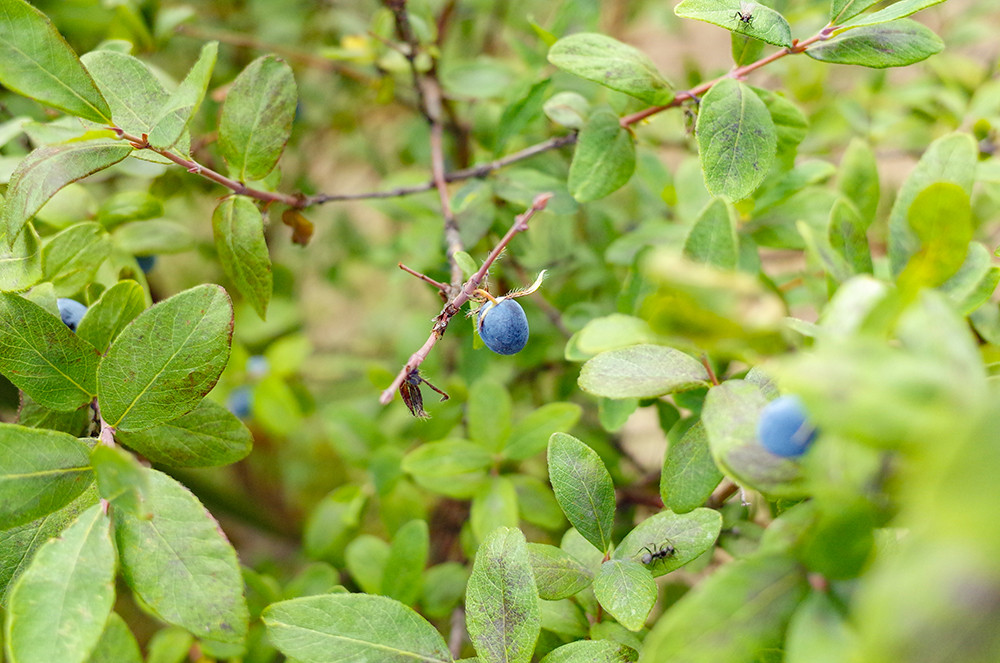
71	312
783	428
503	326
146	263
240	401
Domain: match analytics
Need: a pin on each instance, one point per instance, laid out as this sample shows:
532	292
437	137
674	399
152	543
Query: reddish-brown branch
443	287
465	294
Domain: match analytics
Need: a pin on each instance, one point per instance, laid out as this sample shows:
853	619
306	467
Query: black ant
665	549
745	13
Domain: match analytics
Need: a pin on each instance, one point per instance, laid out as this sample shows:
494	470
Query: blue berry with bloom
70	312
784	428
501	322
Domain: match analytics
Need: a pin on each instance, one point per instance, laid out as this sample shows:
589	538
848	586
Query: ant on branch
656	553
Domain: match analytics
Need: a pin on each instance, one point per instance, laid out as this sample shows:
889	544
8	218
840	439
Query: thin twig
107	434
443	287
468	289
457	634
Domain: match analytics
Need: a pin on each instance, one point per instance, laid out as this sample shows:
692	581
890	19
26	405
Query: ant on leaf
655	553
745	13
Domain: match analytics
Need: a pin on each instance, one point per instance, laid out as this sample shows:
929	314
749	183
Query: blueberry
783	428
71	312
239	401
503	326
146	263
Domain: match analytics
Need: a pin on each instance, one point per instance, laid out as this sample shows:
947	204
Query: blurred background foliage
325	488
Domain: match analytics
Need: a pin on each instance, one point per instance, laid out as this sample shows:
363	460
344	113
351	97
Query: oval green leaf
207	436
558	575
41	356
257	117
343	628
901	9
736	140
689	474
641	371
501	601
604	159
404	567
626	590
583	488
68	589
37	62
611	63
166	360
40	472
181	565
455	468
897	44
238	227
109	315
592	651
48	169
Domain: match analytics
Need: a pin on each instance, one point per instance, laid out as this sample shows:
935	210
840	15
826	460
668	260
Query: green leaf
641	371
20	264
181	565
583	488
608	332
627	591
615	65
730	417
488	414
974	282
690	534
501	601
604	159
565	618
404	567
848	237
444	588
519	114
135	95
745	49
689	474
57	608
736	140
333	521
71	258
117	644
19	544
455	468
109	315
184	102
951	158
790	125
897	44
557	574
166	360
841	10
122	480
592	651
129	206
766	24
941	219
41	356
40	471
37	62
238	227
531	434
818	632
735	615
343	628
157	236
570	109
207	436
495	505
365	558
48	169
900	9
537	503
713	239
858	179
257	118
75	422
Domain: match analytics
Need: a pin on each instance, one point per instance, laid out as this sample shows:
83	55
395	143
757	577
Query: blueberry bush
734	261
